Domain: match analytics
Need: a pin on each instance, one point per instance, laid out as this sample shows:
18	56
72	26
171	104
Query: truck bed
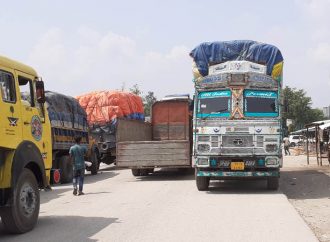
165	153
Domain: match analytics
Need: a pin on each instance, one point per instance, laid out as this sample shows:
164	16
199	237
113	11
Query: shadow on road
58	190
239	187
168	175
100	176
305	184
48	195
62	228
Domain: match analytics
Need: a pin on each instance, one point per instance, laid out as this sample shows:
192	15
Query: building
326	112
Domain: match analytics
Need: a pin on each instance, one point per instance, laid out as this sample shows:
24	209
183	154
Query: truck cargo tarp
65	111
104	107
210	53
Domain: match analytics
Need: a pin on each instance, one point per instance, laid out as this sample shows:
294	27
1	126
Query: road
165	206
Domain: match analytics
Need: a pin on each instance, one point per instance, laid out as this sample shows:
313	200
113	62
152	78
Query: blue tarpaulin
210	53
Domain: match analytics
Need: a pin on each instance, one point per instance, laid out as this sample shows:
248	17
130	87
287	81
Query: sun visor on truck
211	53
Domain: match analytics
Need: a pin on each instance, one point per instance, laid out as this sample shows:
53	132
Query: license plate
237	166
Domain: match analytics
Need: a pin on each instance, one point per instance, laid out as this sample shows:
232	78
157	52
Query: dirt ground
308	189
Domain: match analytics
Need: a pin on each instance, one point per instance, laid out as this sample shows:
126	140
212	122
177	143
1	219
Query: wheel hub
28	199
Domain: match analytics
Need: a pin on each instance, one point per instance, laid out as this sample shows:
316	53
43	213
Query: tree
135	90
148	100
299	108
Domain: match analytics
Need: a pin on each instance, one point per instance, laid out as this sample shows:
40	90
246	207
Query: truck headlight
203	161
272	161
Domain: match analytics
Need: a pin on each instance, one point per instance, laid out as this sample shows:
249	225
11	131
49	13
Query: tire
272	183
150	170
95	161
144	172
23	213
65	166
136	172
202	182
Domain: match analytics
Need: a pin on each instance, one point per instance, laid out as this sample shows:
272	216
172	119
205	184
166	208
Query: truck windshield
214	104
260	104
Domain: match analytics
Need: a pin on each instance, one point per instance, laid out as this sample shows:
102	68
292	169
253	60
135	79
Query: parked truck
25	146
237	128
169	142
112	116
68	119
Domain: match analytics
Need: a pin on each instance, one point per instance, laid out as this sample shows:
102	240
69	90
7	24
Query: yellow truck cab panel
21	121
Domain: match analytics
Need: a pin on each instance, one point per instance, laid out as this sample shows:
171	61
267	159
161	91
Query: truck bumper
238	173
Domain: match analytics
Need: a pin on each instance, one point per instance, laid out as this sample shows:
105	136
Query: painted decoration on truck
214	94
36	128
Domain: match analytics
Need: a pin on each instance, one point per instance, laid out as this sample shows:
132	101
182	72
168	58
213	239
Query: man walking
77	153
286	142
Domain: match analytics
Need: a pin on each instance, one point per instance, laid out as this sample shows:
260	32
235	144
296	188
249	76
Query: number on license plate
237	166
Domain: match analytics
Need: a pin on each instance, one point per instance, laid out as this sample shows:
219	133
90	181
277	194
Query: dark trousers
78	178
286	149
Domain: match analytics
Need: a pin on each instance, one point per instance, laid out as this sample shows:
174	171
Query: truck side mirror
40	91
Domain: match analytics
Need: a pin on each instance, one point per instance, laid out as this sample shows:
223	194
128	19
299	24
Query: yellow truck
25	145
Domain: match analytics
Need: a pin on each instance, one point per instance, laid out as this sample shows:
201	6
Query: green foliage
299	108
135	90
148	100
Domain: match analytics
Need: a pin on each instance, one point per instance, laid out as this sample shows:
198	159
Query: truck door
10	122
31	111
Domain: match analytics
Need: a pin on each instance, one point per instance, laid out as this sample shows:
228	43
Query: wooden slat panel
153	153
133	130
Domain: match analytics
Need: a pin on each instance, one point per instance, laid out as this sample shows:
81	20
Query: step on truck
237	129
25	146
166	143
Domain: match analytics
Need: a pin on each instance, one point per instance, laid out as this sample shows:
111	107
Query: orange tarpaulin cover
102	107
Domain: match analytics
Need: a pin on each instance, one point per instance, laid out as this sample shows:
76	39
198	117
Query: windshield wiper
219	111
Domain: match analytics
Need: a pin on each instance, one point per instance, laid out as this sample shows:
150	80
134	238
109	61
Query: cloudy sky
82	46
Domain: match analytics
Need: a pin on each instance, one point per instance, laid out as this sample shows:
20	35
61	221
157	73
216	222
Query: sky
83	46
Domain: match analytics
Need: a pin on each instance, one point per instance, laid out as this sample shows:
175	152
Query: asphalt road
165	206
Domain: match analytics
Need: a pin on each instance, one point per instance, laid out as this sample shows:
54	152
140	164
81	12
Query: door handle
26	123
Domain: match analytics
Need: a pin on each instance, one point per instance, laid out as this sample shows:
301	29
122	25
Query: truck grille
237	141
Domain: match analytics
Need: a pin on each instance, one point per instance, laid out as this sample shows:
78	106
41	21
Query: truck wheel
95	162
136	172
23	214
66	169
150	170
202	183
144	172
272	183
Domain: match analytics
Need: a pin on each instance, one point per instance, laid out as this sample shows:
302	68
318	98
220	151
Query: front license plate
237	166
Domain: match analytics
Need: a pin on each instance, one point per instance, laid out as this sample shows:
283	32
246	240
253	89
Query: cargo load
211	53
65	111
112	116
104	107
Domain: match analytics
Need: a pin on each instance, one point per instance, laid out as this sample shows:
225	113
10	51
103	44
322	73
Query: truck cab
237	128
25	145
